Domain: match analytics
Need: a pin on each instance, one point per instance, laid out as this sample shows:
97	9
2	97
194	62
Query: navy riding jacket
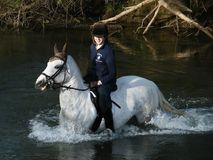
103	63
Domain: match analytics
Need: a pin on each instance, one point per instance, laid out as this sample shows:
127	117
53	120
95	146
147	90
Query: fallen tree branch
161	3
146	18
129	10
185	18
153	18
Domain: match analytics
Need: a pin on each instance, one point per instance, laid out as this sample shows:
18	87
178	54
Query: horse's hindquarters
136	96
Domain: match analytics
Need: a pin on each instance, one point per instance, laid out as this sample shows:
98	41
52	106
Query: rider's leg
96	123
99	117
109	120
105	104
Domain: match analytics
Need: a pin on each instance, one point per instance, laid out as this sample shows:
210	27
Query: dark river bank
182	68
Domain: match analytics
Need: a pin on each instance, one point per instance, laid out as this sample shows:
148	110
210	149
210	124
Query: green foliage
11	4
115	6
18	2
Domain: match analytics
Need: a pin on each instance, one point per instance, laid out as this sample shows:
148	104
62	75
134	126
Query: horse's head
55	72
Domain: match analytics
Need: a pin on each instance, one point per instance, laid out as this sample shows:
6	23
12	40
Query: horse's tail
167	107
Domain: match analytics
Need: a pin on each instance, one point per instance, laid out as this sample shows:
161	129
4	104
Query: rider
102	73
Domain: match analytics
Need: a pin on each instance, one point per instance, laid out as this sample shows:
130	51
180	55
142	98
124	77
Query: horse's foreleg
143	119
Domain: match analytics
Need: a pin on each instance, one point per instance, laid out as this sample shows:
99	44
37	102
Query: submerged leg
96	123
109	120
105	104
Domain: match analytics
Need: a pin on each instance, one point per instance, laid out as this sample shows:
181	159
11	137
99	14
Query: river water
182	68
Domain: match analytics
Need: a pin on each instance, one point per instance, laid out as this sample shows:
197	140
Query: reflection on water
182	68
109	150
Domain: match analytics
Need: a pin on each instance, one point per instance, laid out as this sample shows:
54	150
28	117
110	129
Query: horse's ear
64	50
55	49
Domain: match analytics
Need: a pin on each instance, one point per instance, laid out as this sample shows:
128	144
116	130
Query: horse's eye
58	66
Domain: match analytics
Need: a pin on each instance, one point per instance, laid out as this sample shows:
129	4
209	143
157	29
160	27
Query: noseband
51	79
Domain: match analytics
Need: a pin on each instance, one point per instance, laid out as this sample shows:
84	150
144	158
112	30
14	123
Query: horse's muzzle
41	85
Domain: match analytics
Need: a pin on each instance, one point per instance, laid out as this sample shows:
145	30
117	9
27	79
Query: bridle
52	84
51	79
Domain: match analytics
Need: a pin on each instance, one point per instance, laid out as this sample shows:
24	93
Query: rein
69	87
51	79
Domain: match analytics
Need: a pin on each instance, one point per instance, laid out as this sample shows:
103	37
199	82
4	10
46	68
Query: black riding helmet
100	29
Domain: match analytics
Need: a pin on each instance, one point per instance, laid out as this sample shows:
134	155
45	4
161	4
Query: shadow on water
182	68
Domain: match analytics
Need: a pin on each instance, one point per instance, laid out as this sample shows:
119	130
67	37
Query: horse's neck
72	97
77	104
75	80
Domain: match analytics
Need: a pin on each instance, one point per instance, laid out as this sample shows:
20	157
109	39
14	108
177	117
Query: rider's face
99	40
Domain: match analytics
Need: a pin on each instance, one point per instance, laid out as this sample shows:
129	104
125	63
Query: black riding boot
96	123
109	120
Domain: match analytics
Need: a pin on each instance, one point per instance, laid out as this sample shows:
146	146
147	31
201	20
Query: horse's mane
74	68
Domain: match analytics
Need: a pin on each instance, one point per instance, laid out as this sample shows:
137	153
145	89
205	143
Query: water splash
196	120
44	127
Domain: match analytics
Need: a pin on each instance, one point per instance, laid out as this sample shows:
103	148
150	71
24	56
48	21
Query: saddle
94	99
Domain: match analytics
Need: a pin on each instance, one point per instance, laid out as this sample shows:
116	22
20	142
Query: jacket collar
101	47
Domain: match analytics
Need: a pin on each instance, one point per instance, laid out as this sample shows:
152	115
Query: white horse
137	96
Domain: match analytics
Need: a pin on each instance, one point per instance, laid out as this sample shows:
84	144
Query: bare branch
185	18
146	18
129	10
153	18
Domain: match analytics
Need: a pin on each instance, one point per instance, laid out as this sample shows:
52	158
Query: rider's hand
99	83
